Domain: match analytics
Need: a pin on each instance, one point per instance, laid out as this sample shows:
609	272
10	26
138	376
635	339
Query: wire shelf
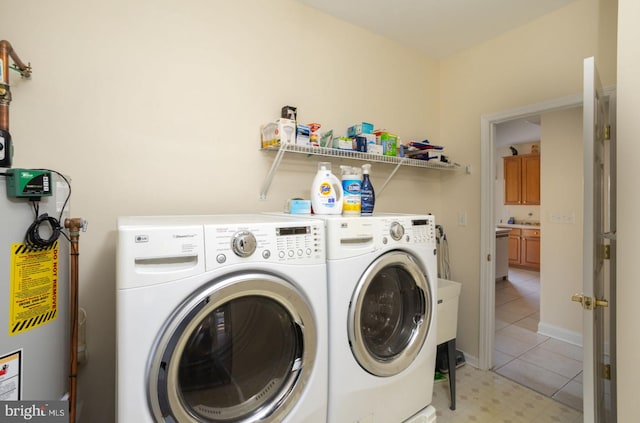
356	155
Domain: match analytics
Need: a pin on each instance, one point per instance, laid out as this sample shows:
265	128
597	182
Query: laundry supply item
298	206
326	191
351	181
388	141
359	129
303	135
343	143
367	194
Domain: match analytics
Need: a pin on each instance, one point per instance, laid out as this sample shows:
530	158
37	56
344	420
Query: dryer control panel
417	230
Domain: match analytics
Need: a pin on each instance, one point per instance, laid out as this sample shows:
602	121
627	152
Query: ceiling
518	131
438	28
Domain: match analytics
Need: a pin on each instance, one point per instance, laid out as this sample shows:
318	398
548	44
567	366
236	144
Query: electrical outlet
562	217
462	218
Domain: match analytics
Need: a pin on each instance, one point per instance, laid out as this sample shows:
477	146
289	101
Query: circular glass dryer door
242	349
390	314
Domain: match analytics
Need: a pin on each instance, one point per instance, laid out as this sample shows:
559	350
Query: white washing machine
382	279
221	319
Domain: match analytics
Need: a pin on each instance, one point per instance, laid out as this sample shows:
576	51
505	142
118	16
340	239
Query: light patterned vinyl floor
486	397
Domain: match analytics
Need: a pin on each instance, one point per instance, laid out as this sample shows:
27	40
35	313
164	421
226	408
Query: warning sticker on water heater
33	294
11	376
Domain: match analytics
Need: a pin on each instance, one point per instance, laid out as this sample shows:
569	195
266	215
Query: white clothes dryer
221	319
382	278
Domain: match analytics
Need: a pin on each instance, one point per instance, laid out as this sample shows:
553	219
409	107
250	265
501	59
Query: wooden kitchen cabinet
530	252
514	246
522	180
524	248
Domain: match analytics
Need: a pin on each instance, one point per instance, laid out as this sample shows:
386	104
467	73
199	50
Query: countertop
517	225
502	231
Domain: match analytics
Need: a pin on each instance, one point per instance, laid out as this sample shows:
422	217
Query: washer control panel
295	242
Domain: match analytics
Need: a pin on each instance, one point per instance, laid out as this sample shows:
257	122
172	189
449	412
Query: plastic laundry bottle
351	181
367	194
326	191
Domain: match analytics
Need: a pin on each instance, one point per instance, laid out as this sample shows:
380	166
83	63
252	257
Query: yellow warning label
33	294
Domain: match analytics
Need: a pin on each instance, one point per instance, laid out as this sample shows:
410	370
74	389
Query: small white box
287	130
375	149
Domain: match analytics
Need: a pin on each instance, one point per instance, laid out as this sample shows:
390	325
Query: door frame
487	224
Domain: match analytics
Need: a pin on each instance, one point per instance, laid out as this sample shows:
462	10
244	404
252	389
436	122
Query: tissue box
389	143
343	143
359	129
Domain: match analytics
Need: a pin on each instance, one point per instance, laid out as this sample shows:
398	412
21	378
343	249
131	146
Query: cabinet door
514	247
531	249
512	180
530	180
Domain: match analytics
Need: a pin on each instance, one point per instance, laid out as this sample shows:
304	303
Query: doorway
488	175
541	356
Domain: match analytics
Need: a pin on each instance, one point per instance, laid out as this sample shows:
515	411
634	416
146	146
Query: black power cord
32	238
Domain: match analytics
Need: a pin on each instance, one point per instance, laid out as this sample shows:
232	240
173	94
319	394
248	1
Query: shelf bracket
391	175
264	190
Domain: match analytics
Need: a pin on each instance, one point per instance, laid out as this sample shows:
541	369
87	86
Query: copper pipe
74	225
6	51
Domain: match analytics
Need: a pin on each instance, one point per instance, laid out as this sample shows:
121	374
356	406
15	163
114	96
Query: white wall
154	107
628	209
561	243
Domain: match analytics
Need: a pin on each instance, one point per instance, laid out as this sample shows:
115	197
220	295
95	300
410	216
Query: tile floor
486	397
548	366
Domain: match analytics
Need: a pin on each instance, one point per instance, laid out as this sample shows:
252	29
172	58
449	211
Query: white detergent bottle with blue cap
326	191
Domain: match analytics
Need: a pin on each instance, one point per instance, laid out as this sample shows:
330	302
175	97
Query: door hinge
606	371
488	257
607	132
589	303
607	252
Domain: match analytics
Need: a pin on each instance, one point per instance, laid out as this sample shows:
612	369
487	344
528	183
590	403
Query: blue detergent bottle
367	194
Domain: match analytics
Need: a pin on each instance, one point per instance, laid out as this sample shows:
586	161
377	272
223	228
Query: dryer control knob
243	243
396	231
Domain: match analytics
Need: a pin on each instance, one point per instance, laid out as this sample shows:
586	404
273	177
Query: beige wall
561	243
628	89
155	108
537	62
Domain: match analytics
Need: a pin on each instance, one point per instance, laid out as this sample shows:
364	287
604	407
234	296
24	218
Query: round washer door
389	314
242	349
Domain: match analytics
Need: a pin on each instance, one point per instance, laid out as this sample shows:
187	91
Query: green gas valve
28	183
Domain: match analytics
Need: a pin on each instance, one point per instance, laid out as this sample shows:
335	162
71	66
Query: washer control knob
243	243
396	231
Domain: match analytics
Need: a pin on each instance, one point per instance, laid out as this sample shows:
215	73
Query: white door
596	194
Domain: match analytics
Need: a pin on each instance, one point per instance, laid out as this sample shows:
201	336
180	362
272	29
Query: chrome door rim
400	362
164	396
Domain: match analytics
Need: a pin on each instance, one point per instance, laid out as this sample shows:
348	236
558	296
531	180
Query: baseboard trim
561	334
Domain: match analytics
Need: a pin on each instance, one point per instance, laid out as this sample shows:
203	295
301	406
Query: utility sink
448	295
